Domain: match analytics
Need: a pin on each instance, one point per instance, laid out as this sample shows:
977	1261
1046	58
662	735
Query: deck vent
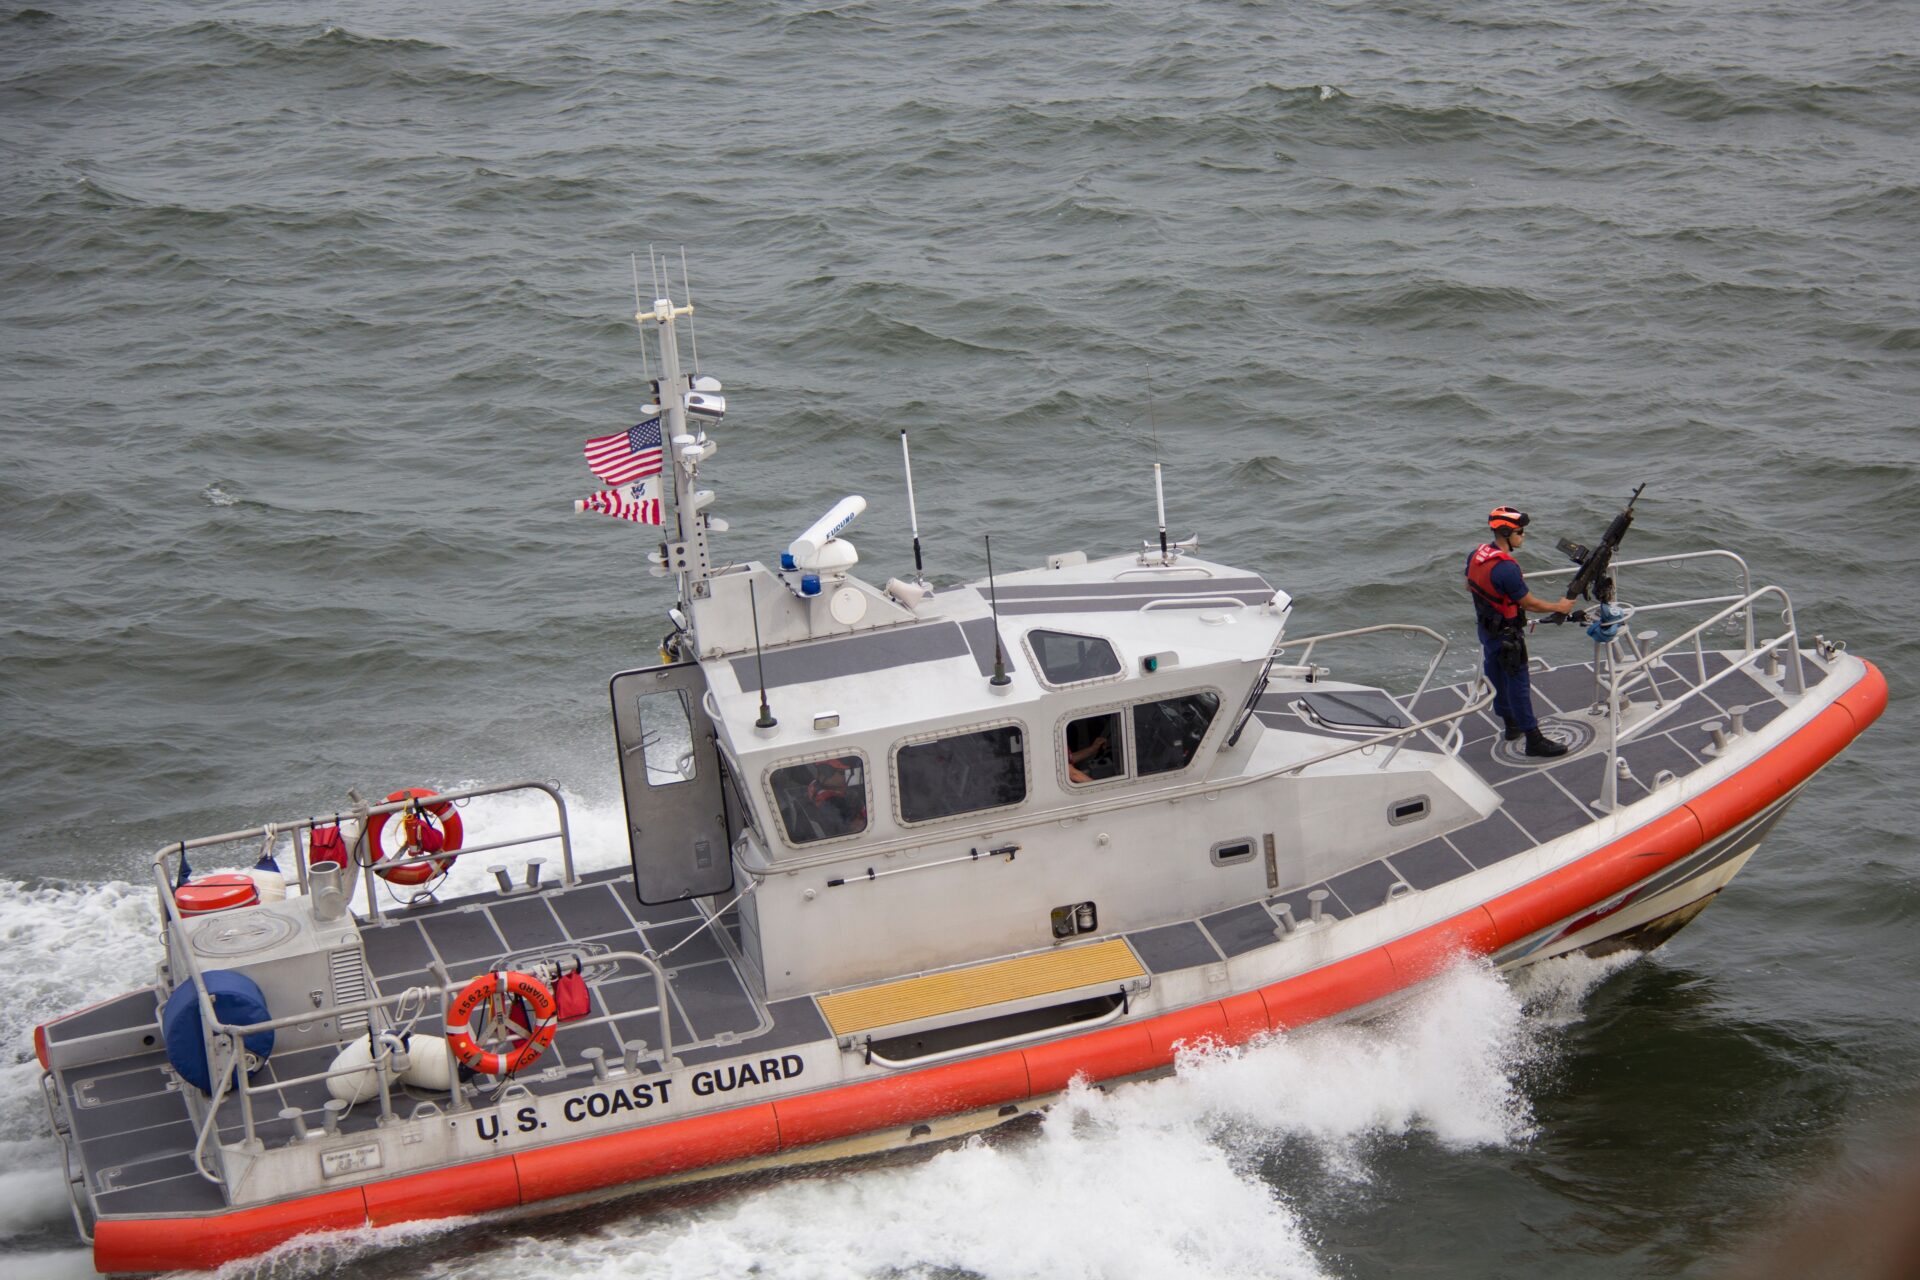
349	974
1233	852
1401	812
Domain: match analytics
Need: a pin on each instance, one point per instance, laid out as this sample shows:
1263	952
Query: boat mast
686	554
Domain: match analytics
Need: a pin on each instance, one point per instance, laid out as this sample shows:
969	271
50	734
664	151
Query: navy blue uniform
1512	689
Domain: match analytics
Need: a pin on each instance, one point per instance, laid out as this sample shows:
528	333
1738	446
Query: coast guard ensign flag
639	502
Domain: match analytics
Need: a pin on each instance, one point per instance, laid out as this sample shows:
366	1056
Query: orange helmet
1507	520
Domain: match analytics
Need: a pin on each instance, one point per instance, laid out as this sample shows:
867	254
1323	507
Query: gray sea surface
307	310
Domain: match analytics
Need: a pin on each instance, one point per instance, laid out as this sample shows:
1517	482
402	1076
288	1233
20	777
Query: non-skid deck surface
1544	800
136	1132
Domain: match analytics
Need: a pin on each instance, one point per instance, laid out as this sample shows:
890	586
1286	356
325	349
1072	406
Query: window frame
1126	774
1199	749
1040	671
960	731
779	820
1132	772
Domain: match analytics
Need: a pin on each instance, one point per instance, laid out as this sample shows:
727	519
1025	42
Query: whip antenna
1159	491
1160	503
646	371
686	287
766	720
1000	677
913	514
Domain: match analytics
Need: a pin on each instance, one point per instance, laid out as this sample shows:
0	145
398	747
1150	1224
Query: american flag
624	458
639	503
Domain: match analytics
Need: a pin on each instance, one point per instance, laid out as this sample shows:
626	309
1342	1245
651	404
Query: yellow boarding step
957	990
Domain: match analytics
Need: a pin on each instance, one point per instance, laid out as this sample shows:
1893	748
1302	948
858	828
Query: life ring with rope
424	829
493	991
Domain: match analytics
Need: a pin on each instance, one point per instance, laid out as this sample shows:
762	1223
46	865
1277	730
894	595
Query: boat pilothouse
904	863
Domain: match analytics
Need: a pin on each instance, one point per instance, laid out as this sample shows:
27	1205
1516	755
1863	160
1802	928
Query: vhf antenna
766	720
1000	678
646	371
686	287
913	514
1160	502
1159	491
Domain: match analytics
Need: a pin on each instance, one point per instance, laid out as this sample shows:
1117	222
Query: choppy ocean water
308	311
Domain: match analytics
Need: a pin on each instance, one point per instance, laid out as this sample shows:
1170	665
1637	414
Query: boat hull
1633	891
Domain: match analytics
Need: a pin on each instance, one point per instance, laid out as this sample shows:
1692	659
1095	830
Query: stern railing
224	1043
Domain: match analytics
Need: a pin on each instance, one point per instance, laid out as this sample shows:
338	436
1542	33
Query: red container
216	893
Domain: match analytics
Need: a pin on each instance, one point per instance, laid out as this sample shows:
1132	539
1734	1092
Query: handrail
211	1028
1433	664
293	827
226	1044
1398	736
1194	602
1788	638
211	1125
48	1095
1305	664
1718	553
1615	678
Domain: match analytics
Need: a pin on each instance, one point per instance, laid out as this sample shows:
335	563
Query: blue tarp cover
236	1002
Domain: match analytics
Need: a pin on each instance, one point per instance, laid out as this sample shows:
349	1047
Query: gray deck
1544	799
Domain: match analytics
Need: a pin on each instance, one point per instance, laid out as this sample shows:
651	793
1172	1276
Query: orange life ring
424	828
493	989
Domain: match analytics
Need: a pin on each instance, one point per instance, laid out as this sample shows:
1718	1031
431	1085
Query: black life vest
1489	602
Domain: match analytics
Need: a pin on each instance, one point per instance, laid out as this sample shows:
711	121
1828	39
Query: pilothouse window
1064	658
821	800
1095	749
1167	733
964	773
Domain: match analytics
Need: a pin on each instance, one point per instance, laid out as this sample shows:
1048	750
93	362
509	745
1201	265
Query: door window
666	737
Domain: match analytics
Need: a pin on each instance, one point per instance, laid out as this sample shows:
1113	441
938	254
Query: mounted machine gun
1594	578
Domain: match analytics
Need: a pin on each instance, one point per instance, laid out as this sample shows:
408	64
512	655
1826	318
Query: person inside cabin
836	798
1088	759
1501	602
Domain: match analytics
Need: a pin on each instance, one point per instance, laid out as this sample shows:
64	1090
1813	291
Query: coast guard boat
904	864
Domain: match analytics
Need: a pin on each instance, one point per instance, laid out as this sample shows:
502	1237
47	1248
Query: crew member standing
1500	604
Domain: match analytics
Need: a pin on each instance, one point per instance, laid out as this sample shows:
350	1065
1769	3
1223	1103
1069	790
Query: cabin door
670	772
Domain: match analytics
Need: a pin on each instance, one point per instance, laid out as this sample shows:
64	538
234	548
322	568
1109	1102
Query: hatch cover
242	933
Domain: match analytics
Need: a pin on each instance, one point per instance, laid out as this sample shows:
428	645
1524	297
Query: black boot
1539	744
1513	730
